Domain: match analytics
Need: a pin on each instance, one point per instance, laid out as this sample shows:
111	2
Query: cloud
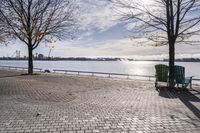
97	14
119	48
102	35
87	35
106	48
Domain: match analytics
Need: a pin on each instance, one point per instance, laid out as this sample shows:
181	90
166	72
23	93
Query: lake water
124	67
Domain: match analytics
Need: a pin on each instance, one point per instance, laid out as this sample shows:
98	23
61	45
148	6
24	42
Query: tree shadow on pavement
12	75
5	74
9	76
185	96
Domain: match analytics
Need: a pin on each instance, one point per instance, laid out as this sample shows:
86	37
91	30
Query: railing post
127	76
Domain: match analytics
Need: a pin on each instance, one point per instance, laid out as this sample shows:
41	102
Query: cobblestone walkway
50	103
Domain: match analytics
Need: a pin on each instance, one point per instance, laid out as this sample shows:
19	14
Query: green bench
162	72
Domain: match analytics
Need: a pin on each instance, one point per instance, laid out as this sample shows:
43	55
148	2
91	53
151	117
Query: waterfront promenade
83	104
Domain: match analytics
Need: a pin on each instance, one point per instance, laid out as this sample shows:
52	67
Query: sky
101	34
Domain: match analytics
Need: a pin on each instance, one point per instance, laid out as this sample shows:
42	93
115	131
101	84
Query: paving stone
73	104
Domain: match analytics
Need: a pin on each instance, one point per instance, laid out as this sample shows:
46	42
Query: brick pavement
72	104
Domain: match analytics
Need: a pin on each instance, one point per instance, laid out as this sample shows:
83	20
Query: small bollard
47	71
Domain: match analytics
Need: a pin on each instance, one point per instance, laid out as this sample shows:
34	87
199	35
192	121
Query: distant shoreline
100	59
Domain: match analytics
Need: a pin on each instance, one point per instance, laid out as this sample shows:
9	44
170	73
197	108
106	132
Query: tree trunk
30	60
171	63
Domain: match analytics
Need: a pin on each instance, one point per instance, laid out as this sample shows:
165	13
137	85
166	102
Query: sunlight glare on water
139	67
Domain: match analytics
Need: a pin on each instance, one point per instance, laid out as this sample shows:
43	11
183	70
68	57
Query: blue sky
101	35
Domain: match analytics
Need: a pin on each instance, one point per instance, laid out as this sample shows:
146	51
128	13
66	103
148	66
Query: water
124	67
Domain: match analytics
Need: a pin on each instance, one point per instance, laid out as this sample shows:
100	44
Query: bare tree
37	21
162	21
2	31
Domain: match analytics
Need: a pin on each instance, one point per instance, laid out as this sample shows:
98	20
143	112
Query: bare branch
35	21
174	17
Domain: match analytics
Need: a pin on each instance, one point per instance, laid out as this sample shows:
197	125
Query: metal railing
104	73
196	79
149	77
20	68
128	76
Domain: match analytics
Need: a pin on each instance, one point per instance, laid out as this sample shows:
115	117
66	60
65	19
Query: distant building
17	54
36	55
40	56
